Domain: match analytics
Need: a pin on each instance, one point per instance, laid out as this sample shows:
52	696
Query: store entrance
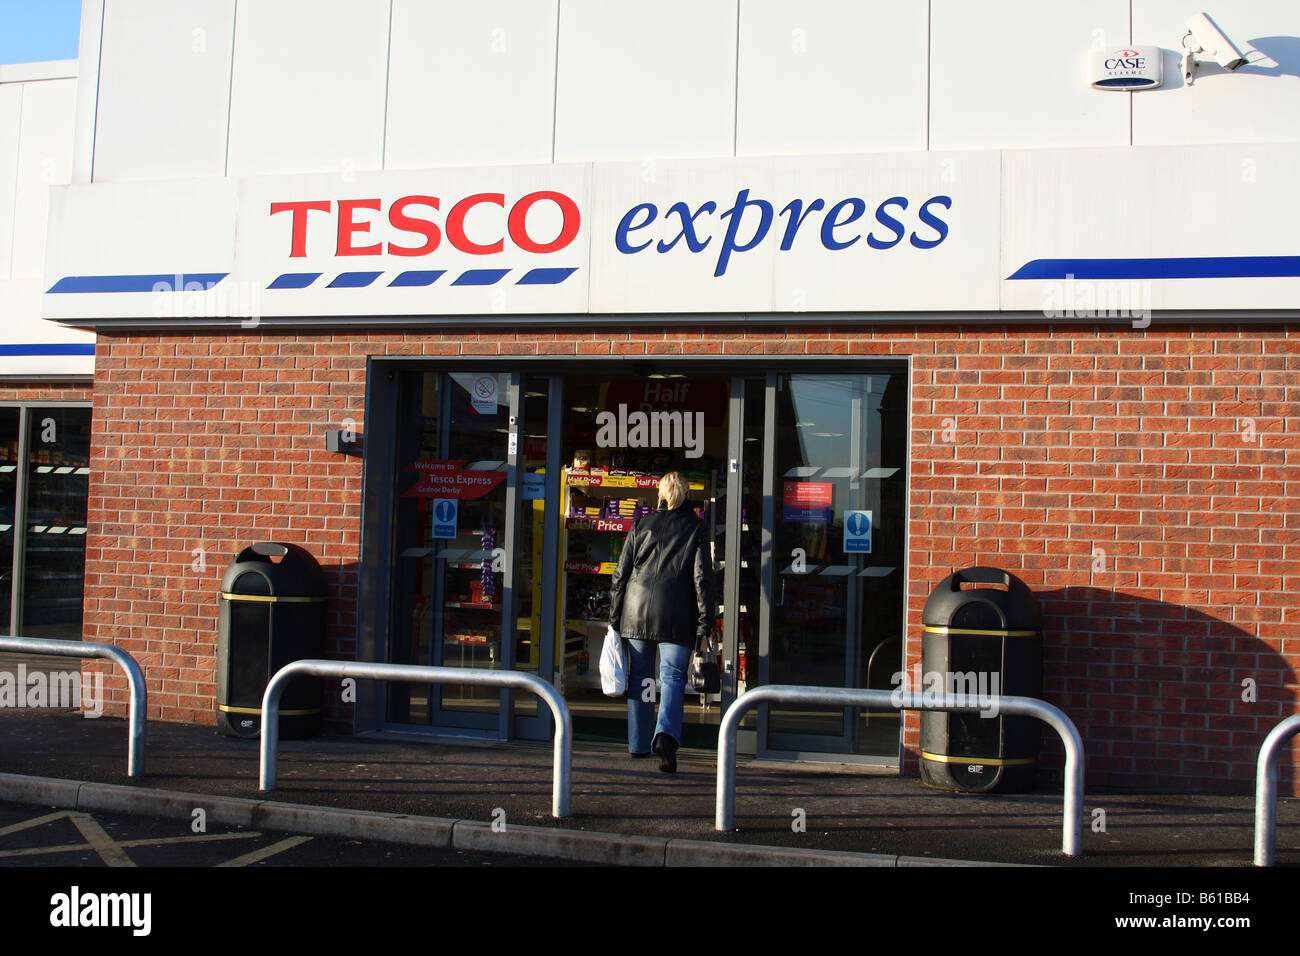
511	493
621	434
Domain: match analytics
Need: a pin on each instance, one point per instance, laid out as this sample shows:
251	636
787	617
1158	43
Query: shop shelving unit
590	547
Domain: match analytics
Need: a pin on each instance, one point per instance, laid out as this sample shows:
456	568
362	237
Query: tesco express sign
412	226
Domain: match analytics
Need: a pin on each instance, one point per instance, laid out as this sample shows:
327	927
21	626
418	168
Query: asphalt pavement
497	797
38	836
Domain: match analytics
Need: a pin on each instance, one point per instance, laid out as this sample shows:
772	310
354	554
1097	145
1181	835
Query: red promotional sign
807	501
809	494
449	479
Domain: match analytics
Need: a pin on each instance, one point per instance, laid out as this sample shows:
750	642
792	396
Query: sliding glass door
834	483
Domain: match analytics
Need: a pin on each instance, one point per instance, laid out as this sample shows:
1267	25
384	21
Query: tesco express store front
498	489
871	368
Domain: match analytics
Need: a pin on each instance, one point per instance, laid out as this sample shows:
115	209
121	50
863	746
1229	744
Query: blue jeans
641	724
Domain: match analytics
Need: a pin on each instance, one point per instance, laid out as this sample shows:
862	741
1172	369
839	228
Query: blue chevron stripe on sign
169	282
418	278
353	280
480	277
1184	267
295	280
545	276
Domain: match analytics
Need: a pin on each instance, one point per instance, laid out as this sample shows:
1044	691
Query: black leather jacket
663	588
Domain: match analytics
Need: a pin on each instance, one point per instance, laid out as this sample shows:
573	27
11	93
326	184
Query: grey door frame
539	726
804	747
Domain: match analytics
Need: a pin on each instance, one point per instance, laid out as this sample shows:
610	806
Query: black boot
666	748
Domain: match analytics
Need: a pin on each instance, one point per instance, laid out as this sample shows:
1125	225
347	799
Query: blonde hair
672	489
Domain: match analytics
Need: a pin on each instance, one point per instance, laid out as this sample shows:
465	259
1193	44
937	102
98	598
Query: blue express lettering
749	221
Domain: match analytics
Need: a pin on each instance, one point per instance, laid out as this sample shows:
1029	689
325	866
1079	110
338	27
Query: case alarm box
1126	68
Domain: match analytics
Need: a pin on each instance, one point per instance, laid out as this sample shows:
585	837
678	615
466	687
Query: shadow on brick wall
1165	696
340	643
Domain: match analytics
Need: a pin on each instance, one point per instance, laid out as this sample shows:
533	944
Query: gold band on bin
272	598
938	629
979	761
227	709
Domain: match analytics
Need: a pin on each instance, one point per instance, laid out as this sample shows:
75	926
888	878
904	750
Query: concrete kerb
910	861
46	790
170	804
617	849
355	824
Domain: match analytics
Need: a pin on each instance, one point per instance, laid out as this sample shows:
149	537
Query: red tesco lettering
411	219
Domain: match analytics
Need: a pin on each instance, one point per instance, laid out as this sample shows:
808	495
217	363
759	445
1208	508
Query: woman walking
661	597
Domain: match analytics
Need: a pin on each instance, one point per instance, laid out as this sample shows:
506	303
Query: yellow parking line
168	841
100	841
164	841
113	852
266	851
28	824
38	850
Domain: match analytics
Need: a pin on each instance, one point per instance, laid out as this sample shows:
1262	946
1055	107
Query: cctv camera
1204	37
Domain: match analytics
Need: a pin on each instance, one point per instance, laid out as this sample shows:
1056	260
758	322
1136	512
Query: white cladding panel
11	114
831	76
470	82
1257	103
1150	203
164	89
37	117
113	229
44	159
20	304
90	48
307	87
349	86
1012	73
639	81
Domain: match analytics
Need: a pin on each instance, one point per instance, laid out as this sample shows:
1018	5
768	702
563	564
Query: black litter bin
985	640
272	613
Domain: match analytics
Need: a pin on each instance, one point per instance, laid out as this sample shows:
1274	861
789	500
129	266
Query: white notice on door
483	394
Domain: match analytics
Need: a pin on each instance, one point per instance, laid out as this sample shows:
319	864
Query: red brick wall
1143	483
45	392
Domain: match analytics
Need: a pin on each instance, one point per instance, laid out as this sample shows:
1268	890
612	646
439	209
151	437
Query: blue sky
33	30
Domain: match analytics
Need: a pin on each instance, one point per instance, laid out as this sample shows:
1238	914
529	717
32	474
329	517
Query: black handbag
702	673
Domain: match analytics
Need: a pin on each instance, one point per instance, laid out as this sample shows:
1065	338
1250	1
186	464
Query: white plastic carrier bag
613	664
